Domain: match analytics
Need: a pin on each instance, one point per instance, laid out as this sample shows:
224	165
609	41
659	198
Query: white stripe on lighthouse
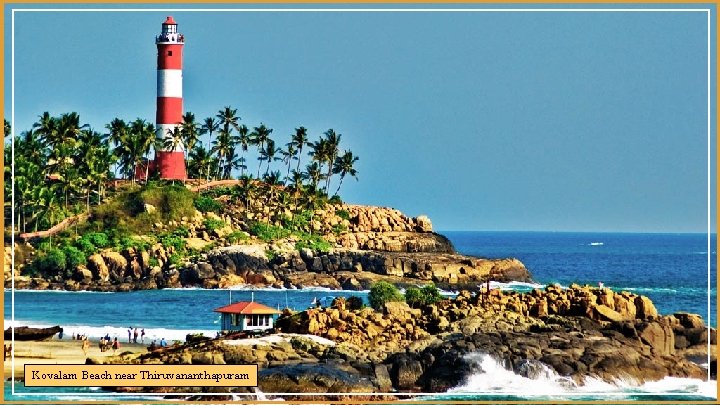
163	131
169	83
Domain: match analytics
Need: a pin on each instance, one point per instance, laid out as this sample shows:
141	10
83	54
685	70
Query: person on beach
130	334
85	346
135	335
142	336
115	345
163	343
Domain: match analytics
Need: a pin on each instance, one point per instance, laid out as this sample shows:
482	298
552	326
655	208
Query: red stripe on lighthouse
169	56
169	110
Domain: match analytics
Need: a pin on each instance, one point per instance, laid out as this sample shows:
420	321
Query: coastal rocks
96	265
320	378
423	224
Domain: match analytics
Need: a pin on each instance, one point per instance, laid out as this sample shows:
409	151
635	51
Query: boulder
96	265
423	224
645	307
658	336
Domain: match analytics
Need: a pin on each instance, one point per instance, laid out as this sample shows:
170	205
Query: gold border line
713	133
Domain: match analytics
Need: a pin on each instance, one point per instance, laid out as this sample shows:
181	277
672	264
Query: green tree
345	165
332	140
383	292
299	141
260	137
418	297
190	132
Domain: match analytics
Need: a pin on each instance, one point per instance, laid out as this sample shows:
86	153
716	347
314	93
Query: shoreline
57	352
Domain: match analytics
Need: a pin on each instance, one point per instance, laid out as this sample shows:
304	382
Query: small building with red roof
247	316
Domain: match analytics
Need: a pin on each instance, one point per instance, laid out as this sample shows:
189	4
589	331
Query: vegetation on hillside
62	167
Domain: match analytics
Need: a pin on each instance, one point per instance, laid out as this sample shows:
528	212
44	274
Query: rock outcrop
437	347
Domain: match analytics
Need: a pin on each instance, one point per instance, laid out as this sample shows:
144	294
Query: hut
247	316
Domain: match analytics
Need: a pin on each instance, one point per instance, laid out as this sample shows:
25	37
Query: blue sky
527	121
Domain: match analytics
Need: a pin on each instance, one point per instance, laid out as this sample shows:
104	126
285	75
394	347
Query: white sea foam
95	332
514	285
540	381
596	243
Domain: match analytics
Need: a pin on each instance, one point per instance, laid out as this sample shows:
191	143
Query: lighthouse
170	159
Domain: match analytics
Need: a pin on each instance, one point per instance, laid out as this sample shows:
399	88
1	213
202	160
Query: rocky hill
365	244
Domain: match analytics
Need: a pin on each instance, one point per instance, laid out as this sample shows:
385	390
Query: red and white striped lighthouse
170	161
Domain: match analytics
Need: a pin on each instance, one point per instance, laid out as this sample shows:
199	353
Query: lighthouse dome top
169	21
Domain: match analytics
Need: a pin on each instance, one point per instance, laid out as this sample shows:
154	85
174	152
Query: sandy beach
58	352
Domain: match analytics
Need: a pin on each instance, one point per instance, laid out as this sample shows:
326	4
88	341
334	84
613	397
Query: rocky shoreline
436	347
377	244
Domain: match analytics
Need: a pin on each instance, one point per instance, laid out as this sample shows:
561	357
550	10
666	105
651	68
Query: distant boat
323	302
596	243
28	333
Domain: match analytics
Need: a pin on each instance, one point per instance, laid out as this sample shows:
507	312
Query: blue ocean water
672	269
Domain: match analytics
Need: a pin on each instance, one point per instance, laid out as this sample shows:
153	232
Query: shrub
339	229
131	242
86	246
207	204
212	224
316	243
73	257
171	241
382	292
51	262
181	231
237	236
172	202
267	232
417	297
354	303
344	214
99	239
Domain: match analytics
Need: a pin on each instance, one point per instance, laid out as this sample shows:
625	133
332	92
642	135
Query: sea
677	271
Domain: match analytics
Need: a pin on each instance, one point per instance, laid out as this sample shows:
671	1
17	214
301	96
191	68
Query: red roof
247	308
169	21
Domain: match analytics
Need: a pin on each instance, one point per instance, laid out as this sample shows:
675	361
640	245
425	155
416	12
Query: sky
482	120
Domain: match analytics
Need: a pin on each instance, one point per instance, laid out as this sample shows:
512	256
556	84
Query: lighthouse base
170	165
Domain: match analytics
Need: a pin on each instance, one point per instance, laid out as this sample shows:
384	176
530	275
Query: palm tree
190	132
6	128
224	147
118	136
208	127
319	153
288	155
333	145
243	140
146	140
228	119
343	166
173	138
299	140
201	162
268	153
313	172
259	137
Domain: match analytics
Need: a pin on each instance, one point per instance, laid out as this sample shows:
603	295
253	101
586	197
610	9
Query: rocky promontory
437	347
365	245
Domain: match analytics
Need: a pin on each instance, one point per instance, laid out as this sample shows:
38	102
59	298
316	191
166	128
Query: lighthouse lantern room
170	159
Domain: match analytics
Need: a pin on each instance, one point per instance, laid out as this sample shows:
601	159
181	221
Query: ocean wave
596	244
7	290
95	332
492	378
515	285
